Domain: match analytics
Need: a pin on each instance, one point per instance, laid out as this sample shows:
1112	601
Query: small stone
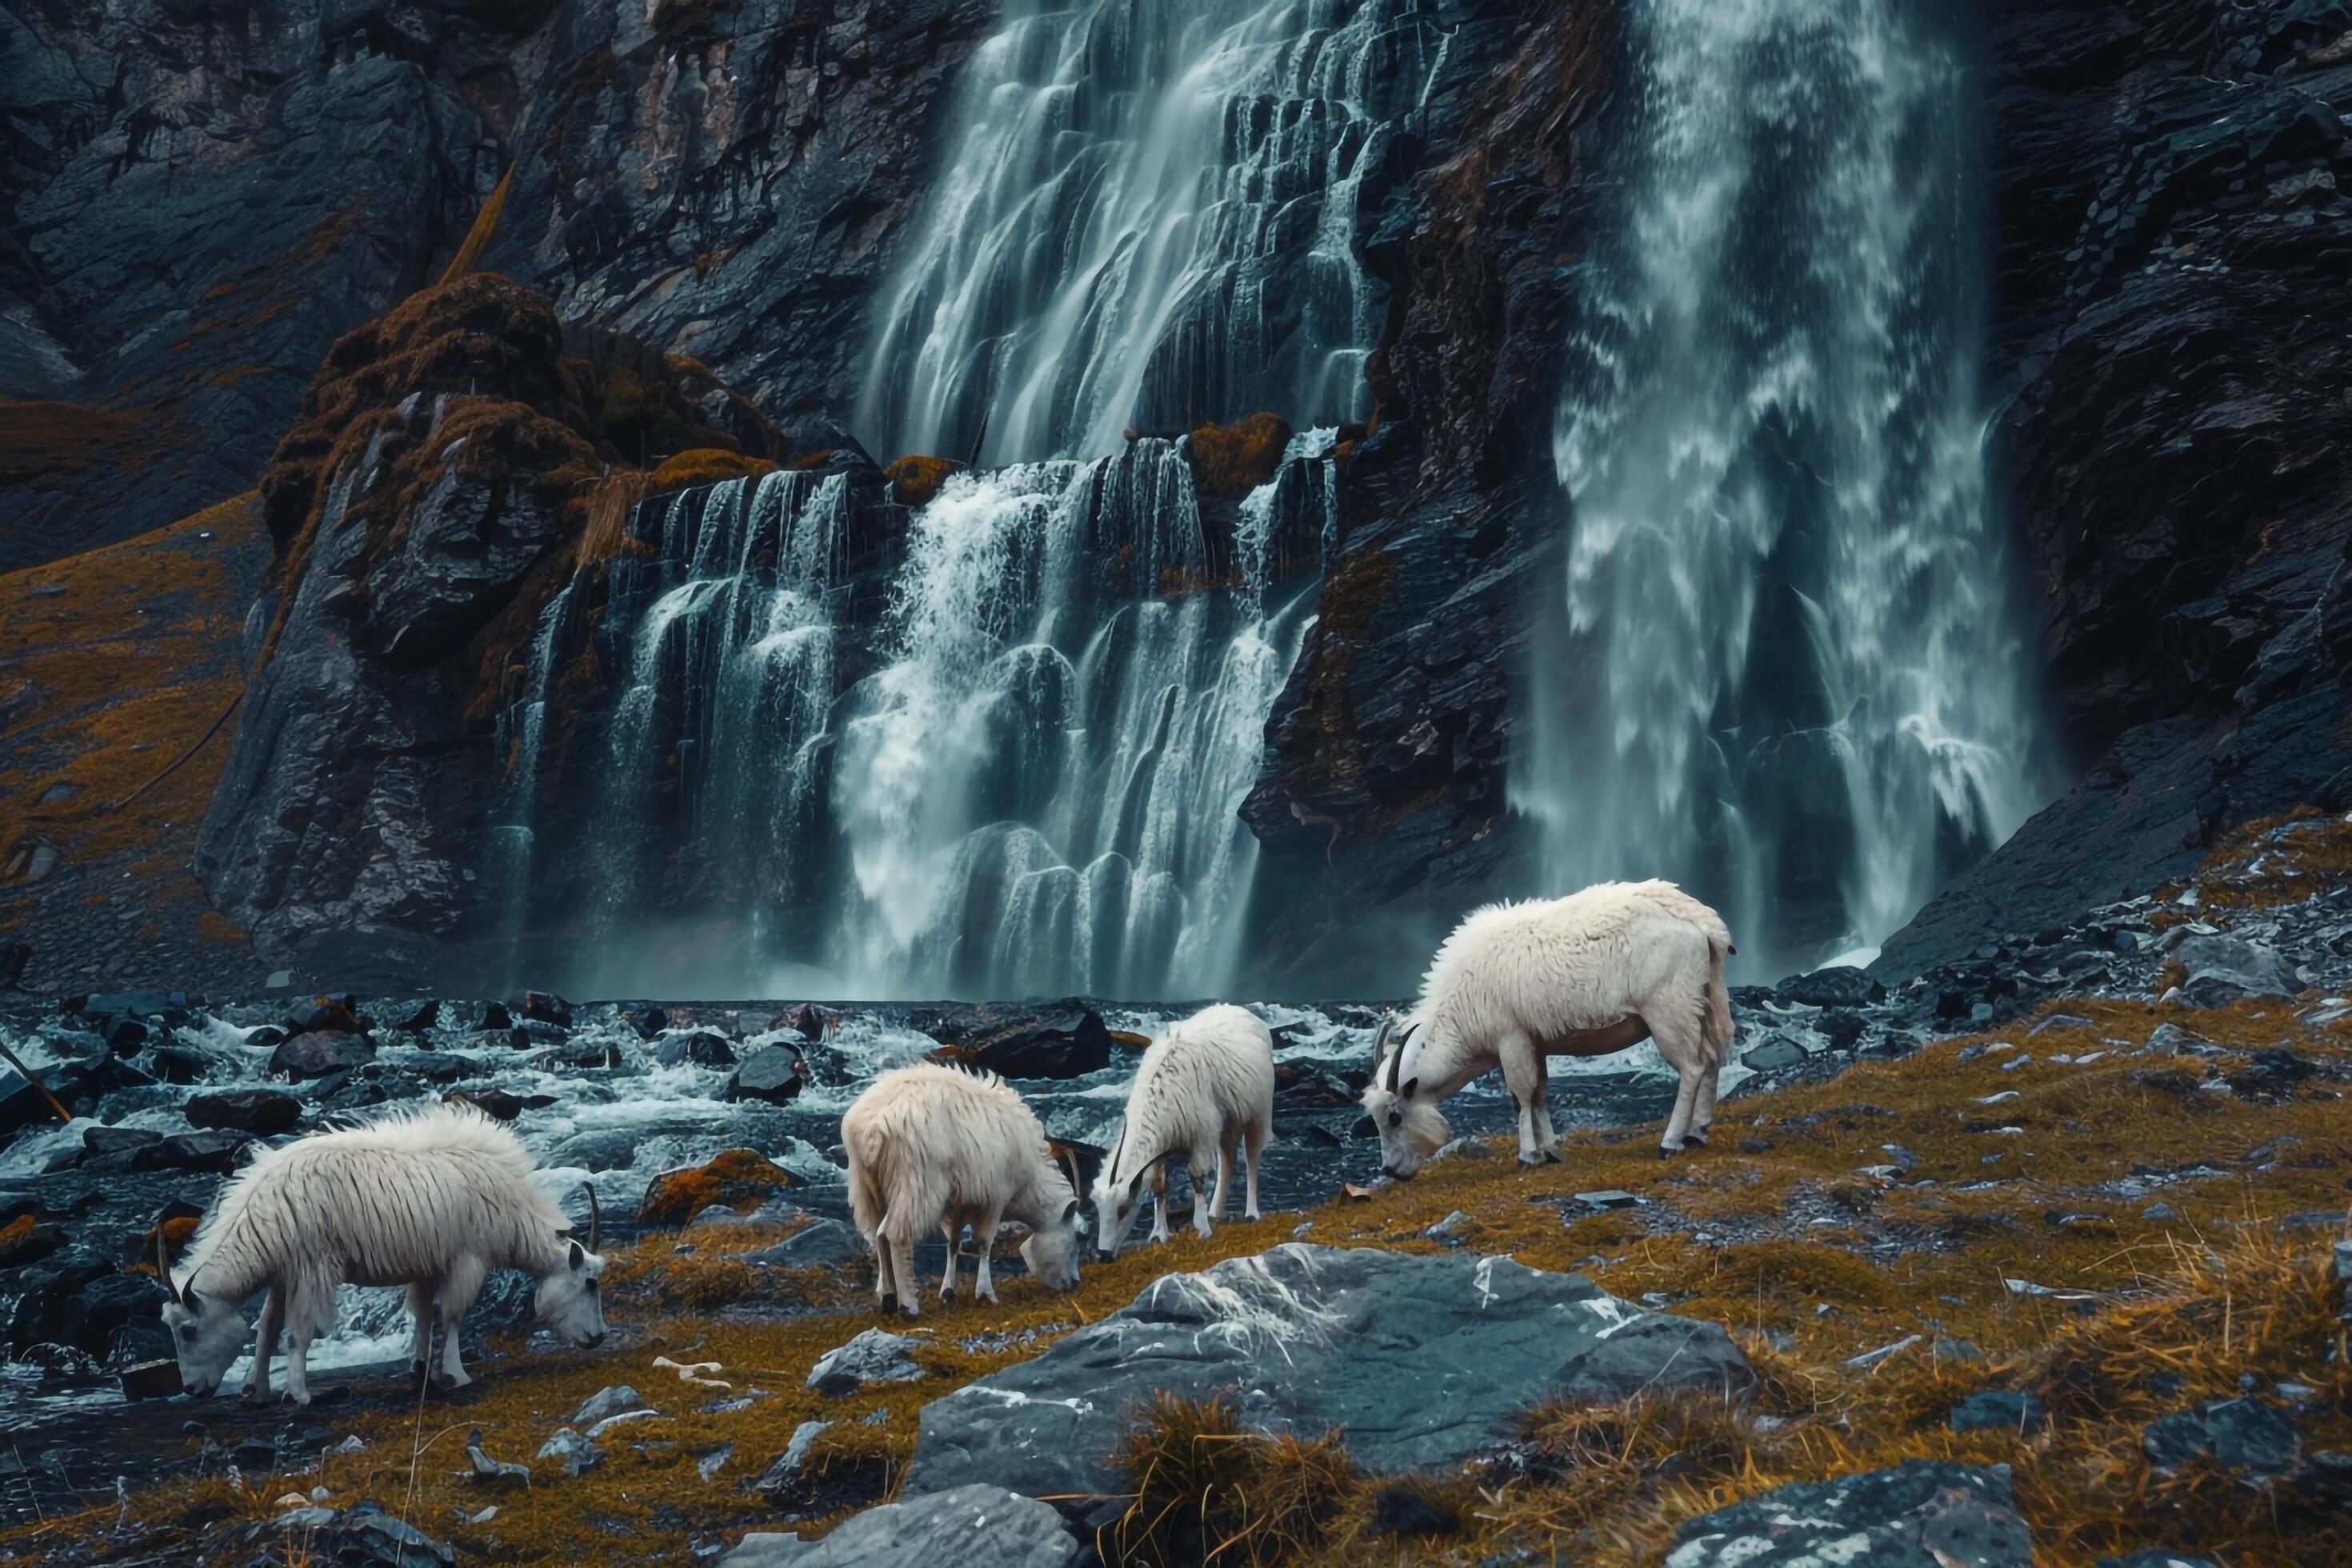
607	1402
1609	1198
1996	1411
1452	1230
873	1357
2243	1435
2159	1210
572	1451
486	1469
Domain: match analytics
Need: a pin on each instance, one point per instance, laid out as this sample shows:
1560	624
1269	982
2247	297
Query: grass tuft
1206	1491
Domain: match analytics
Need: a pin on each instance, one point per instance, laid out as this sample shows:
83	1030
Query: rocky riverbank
2049	1274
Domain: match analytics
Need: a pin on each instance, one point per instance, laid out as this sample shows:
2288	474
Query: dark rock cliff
2174	230
197	199
1383	806
449	466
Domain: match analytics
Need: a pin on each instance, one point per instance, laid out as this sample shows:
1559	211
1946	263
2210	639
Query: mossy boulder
738	1179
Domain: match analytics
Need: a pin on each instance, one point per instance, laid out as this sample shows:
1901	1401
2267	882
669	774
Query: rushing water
1032	787
1796	681
1149	219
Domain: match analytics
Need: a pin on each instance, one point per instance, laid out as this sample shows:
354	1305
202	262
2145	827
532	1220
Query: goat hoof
1529	1162
1694	1141
1665	1152
1551	1156
889	1304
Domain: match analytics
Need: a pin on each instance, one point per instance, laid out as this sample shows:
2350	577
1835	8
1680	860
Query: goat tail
1717	1031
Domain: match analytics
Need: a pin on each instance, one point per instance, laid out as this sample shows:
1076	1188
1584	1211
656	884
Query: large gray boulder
1423	1361
1923	1514
971	1526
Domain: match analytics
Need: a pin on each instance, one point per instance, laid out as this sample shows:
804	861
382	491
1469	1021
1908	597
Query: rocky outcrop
196	202
442	478
1381	807
978	1524
2174	191
1423	1361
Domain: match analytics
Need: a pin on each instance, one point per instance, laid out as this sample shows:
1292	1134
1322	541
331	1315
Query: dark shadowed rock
1423	1360
360	1536
2221	968
318	1055
772	1073
821	1241
1920	1514
1842	986
265	1112
2241	1435
1996	1411
214	1151
875	1356
100	1143
702	1049
981	1526
1067	1041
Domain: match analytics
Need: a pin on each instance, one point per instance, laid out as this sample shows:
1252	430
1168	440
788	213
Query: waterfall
1148	220
1018	771
1792	677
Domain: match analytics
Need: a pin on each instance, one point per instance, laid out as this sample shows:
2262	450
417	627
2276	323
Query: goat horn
595	1218
163	1264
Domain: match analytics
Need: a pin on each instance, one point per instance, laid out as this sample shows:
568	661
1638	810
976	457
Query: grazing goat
1585	976
1203	1092
432	1200
933	1146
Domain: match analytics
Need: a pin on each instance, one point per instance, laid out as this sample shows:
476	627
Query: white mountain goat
934	1147
432	1200
1202	1093
1586	975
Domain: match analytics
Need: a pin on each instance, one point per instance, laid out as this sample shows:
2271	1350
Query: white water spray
1800	687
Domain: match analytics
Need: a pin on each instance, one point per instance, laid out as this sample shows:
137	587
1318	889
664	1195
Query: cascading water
1150	221
1033	788
1793	681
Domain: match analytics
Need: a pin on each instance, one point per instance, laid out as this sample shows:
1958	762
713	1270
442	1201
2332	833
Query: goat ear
579	1258
1367	1128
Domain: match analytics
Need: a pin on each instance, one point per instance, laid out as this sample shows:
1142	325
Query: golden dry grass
117	663
2220	1291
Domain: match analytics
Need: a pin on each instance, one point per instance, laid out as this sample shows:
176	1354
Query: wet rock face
2170	186
1422	1360
1383	796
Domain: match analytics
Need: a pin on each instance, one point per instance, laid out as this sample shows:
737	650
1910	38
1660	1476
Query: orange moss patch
1233	459
479	234
124	660
810	461
740	1179
2277	860
707	466
914	481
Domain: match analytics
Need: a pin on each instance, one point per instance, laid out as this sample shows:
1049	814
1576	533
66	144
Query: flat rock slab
1423	1361
969	1527
1923	1514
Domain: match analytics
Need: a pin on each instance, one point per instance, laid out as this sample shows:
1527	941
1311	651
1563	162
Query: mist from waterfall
1792	677
1148	220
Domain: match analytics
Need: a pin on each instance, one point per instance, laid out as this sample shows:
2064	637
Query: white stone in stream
873	1356
977	1526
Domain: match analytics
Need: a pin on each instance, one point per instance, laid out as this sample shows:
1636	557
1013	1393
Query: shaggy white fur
1594	972
431	1199
1203	1092
937	1147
